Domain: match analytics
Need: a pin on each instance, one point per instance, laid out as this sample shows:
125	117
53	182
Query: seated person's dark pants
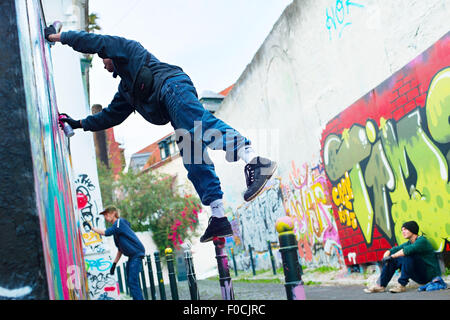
412	267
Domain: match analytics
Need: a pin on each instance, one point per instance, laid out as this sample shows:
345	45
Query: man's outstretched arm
117	111
105	46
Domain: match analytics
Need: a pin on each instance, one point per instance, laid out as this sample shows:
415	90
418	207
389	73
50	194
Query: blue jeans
134	267
412	267
196	128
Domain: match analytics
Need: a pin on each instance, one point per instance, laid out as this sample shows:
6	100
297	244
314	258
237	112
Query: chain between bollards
289	255
172	275
226	285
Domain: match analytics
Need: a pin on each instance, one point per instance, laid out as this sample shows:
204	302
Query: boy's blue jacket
125	239
128	57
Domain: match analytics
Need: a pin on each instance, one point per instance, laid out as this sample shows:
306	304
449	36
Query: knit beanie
411	226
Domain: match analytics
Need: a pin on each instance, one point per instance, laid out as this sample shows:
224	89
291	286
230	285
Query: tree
149	201
92	23
106	181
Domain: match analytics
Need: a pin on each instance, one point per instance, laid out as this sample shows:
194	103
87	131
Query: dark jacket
125	239
129	57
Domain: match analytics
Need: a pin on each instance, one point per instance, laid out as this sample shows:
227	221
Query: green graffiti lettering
421	178
438	106
340	154
380	178
362	205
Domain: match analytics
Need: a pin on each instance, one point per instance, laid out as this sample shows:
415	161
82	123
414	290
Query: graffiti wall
98	254
255	220
349	98
307	200
51	173
252	225
387	159
21	248
72	99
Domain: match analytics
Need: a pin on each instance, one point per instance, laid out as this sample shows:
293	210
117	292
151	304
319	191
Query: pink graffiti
61	244
298	292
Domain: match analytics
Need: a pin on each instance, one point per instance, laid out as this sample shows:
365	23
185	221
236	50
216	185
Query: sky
211	40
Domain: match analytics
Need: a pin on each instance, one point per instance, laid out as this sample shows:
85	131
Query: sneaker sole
262	186
212	237
373	291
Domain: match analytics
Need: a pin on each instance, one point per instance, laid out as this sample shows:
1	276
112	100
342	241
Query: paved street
210	290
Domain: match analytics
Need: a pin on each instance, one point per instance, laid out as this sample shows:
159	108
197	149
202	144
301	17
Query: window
167	147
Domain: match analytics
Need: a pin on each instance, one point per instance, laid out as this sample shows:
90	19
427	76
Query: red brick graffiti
385	159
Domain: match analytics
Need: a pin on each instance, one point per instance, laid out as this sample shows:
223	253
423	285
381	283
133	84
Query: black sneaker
217	227
257	173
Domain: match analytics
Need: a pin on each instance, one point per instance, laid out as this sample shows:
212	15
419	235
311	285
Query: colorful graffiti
55	198
307	200
387	157
257	218
102	285
88	208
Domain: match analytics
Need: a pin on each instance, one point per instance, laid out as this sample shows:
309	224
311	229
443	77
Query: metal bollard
127	288
192	280
289	255
119	276
224	273
172	275
150	277
162	290
234	262
250	252
272	258
144	283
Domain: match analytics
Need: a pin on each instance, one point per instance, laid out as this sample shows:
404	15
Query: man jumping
163	93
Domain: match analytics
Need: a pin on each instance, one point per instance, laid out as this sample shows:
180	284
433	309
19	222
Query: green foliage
106	181
92	23
151	203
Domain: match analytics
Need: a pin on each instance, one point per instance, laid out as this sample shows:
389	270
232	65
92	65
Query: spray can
57	25
68	131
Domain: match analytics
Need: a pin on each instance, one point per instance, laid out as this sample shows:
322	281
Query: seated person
416	259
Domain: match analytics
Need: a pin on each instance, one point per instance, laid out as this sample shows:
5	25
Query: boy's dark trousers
412	267
134	267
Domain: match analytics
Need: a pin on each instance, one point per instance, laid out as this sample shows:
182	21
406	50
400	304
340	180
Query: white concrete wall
320	58
305	74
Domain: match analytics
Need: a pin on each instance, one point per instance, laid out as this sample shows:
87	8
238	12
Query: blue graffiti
99	264
338	20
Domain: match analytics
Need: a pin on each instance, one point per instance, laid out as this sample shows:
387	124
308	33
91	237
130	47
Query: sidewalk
316	277
319	284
